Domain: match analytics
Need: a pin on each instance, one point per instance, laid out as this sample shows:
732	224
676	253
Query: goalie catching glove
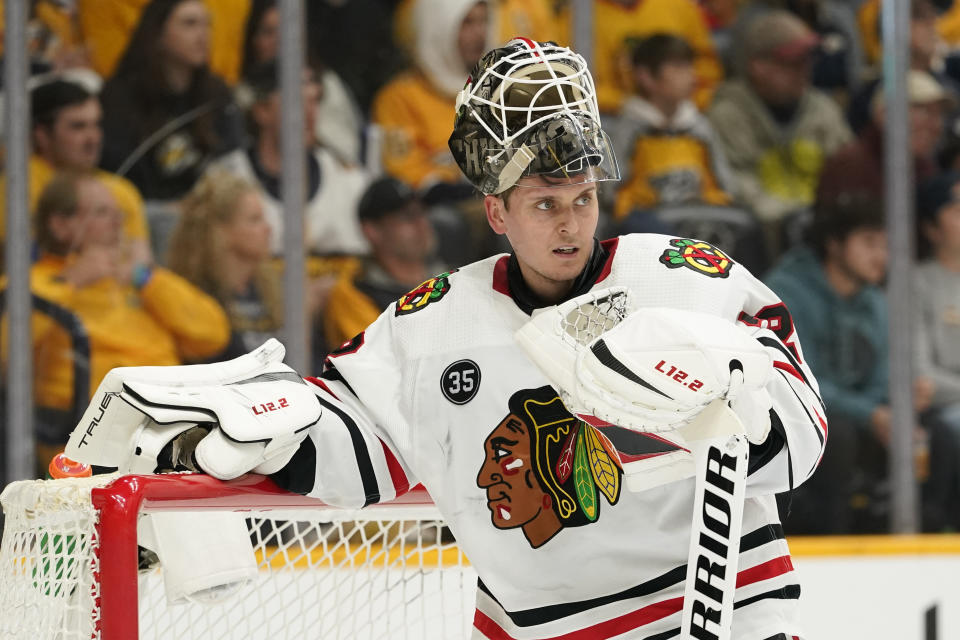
651	369
225	419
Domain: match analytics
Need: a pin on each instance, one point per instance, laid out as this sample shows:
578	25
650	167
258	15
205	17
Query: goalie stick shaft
719	444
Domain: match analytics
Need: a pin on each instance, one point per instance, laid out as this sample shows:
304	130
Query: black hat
936	193
384	196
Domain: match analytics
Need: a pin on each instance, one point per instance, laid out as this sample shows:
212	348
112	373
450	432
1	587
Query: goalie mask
530	108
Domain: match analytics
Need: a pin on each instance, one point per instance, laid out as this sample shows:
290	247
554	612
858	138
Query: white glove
652	370
257	425
255	410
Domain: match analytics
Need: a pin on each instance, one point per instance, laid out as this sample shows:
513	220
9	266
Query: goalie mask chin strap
527	300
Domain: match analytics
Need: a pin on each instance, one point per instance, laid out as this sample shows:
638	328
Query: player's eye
544	205
584	200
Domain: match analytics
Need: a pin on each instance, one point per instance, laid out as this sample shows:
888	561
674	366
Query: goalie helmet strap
592	273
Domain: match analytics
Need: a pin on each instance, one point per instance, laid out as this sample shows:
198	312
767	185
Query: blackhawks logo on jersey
544	469
430	291
700	256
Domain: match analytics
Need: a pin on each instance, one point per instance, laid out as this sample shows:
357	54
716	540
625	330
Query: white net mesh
602	311
323	573
47	560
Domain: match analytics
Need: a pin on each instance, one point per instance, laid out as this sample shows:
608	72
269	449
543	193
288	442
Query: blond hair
197	248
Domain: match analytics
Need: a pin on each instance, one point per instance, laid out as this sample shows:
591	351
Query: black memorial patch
460	381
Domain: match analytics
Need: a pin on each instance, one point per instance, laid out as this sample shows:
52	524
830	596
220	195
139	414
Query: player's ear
495	208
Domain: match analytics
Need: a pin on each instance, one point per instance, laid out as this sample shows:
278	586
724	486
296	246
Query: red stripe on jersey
606	629
610	245
823	423
765	571
320	383
789	368
400	482
501	282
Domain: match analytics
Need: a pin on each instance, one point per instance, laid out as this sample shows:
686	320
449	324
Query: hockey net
69	565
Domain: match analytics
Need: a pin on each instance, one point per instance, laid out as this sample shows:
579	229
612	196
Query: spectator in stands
134	313
165	113
924	44
222	245
67	135
415	109
107	27
364	64
937	349
775	128
401	257
333	189
338	120
53	41
668	148
617	22
838	64
858	166
923	29
833	291
534	19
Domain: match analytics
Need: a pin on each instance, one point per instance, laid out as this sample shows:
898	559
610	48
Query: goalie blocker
226	418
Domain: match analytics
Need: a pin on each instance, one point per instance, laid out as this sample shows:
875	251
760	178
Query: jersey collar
508	280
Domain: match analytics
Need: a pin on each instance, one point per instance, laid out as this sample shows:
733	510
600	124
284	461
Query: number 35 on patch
460	381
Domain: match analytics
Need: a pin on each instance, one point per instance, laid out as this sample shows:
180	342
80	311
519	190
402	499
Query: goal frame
120	503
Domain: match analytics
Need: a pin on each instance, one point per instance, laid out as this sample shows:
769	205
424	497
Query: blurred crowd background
757	125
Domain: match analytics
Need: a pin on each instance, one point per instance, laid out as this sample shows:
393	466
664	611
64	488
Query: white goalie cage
69	565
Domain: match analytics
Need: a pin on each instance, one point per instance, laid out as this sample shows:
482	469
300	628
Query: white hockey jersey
437	392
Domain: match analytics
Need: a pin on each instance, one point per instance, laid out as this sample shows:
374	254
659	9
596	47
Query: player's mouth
566	251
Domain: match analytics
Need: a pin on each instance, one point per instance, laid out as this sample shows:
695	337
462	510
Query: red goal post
69	564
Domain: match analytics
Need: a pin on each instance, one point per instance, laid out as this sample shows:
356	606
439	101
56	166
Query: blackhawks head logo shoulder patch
700	256
430	291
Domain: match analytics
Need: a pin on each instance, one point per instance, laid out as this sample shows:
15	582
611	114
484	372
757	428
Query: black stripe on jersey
816	426
543	615
776	344
761	536
300	474
788	592
673	633
330	372
602	351
761	454
368	477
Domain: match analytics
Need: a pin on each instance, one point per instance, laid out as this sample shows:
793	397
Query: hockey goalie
603	425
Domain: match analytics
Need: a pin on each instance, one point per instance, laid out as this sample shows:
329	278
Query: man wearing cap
402	242
859	165
775	128
937	346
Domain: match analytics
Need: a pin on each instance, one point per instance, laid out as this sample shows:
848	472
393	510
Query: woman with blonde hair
222	245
